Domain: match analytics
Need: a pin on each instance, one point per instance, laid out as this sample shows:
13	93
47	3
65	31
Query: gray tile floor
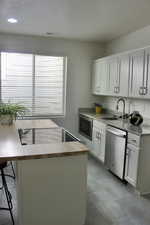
110	202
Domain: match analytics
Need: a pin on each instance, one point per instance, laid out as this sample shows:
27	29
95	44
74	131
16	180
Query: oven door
85	126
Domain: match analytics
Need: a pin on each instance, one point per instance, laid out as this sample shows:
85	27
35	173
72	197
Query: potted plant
9	112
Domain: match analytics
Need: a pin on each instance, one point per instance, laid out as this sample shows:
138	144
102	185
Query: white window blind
38	82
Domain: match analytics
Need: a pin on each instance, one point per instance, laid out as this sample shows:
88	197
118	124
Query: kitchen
109	200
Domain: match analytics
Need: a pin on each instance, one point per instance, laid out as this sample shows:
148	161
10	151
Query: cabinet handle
141	92
118	89
97	135
145	90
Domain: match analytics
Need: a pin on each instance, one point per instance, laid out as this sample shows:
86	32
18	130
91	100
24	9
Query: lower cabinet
131	164
98	140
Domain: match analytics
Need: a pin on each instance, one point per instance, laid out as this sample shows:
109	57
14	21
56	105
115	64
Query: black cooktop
45	136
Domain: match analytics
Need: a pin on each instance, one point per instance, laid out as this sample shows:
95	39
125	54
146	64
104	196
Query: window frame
65	68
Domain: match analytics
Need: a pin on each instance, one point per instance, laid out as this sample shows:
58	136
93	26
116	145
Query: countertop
144	129
11	148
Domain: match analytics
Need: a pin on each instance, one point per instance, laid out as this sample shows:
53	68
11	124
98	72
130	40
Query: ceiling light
12	20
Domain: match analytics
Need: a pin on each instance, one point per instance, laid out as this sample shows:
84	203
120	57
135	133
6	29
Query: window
38	82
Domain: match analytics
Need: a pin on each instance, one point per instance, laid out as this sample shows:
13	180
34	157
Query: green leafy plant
12	110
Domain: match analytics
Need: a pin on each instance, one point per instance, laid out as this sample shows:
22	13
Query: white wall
143	106
80	56
134	40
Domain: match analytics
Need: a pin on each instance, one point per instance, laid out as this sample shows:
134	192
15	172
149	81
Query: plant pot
6	119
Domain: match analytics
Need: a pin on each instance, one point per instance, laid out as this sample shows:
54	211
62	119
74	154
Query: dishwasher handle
117	133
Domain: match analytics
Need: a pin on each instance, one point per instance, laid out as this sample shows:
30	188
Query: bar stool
7	192
13	171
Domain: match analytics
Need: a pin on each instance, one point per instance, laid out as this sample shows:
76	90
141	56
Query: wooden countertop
11	148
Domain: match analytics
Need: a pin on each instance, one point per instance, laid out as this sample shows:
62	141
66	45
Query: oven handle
116	133
85	117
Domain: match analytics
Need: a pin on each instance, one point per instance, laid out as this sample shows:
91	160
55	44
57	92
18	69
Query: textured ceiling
90	20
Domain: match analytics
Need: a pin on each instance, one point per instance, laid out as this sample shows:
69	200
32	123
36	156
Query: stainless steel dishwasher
116	140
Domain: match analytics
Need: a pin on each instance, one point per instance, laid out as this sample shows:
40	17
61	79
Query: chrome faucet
124	103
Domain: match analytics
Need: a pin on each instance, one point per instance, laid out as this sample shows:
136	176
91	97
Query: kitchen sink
110	118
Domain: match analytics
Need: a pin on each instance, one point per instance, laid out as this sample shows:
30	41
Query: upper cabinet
139	86
146	82
113	75
96	82
119	75
126	75
100	77
137	73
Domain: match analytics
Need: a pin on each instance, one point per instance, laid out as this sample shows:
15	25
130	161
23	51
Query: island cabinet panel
52	191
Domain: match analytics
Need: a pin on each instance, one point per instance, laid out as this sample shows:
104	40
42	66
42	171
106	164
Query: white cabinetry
137	72
100	77
96	82
98	140
132	156
113	76
123	61
119	75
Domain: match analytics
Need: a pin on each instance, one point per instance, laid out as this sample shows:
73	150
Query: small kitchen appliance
135	118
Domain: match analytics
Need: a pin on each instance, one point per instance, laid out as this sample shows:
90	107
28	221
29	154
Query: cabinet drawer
100	125
133	139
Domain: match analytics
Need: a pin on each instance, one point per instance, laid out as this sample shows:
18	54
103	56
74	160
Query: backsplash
143	106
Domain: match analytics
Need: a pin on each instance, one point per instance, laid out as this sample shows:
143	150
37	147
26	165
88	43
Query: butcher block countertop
11	148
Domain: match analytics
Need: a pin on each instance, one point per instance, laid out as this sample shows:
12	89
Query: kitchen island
51	177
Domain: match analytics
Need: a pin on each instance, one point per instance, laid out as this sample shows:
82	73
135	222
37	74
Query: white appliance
116	140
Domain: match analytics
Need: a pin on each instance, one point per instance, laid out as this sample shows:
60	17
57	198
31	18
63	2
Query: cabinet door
101	155
131	164
113	76
123	79
146	87
104	77
137	66
100	77
96	78
98	143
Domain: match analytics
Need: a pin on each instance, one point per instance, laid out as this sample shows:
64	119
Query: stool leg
8	196
13	170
